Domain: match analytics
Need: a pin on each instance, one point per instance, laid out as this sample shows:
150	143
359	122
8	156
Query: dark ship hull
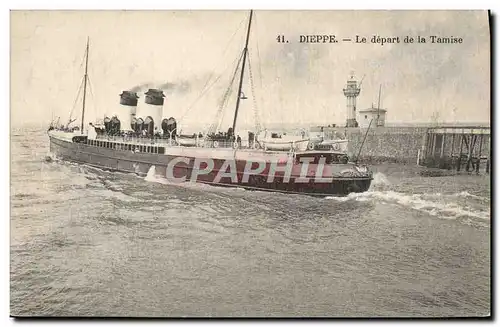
185	165
130	141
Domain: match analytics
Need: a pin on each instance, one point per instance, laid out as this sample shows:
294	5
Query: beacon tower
351	92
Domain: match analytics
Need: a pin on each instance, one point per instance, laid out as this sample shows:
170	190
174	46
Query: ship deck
224	151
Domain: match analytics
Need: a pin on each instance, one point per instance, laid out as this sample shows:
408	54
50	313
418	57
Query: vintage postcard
250	163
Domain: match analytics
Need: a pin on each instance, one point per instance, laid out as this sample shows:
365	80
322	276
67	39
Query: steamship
137	138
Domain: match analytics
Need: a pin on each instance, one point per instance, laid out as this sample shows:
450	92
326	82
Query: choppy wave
79	231
460	205
436	204
380	179
466	194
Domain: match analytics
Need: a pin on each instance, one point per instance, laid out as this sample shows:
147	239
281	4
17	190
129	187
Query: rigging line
259	62
224	105
229	91
83	57
205	91
258	52
92	94
242	74
199	97
215	125
235	72
83	60
76	99
225	50
255	112
213	71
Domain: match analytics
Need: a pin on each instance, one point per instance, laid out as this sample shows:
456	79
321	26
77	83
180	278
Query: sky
293	83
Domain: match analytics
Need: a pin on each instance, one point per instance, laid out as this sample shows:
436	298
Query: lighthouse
351	92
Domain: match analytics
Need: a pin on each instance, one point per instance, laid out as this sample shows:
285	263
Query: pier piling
442	151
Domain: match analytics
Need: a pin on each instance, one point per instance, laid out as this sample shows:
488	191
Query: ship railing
137	139
198	142
221	144
167	142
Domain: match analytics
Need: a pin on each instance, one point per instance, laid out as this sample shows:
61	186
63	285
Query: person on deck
91	132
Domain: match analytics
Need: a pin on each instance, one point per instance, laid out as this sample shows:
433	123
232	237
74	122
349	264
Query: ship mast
245	50
85	83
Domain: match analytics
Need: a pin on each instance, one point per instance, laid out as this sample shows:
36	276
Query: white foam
151	175
380	179
432	204
466	194
137	168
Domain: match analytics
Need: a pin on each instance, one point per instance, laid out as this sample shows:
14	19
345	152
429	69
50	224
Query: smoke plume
167	87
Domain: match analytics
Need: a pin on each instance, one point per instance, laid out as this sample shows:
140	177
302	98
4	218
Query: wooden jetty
457	148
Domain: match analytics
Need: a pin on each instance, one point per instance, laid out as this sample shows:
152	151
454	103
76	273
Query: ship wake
463	205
